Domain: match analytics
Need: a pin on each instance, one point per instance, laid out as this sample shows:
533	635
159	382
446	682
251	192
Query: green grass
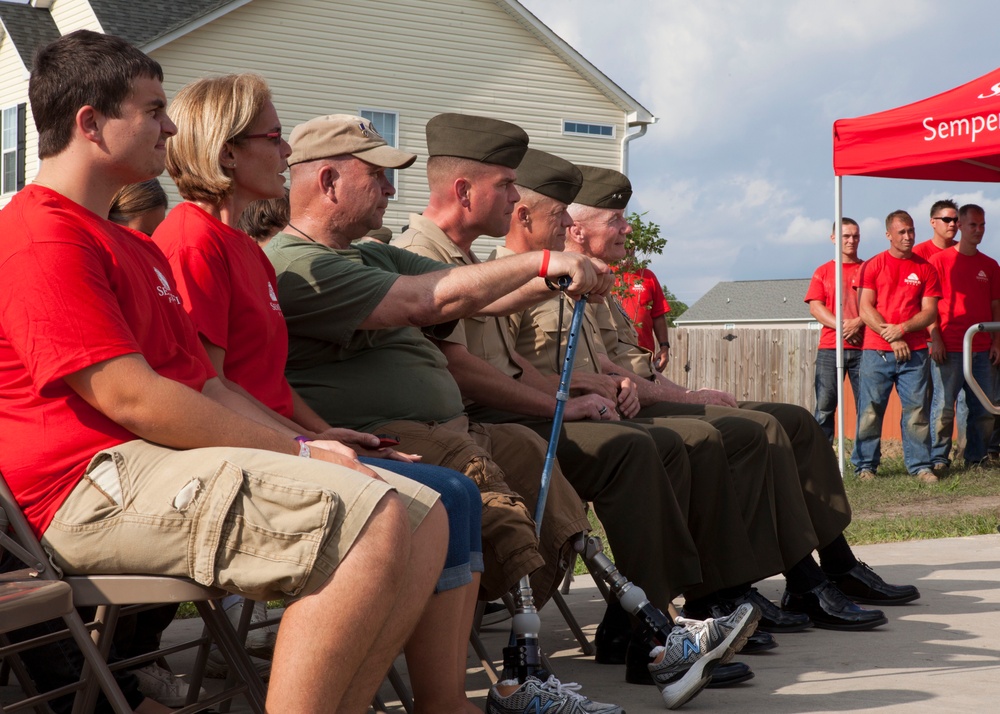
897	507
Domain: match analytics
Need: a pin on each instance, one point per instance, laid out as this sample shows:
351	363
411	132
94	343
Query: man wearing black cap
356	356
800	454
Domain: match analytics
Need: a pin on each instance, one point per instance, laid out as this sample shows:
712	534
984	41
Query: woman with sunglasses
227	153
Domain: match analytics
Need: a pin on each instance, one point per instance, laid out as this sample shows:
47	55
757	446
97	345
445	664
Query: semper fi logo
164	290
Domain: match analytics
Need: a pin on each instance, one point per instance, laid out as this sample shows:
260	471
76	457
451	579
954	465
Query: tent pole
838	200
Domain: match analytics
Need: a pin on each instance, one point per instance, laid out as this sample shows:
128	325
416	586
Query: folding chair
110	592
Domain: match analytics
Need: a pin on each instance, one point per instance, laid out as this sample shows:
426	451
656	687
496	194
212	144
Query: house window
12	148
386	124
579	128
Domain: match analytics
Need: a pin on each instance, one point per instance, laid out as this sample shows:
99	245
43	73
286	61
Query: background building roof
28	28
751	301
119	17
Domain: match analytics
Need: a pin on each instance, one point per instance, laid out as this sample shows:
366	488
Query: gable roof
751	301
28	28
119	17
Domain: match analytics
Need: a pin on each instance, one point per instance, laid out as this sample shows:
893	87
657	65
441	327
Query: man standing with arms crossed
822	300
970	293
898	302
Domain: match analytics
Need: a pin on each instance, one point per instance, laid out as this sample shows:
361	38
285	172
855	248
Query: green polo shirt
357	378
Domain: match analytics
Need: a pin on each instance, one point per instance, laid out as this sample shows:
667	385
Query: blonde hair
135	199
210	113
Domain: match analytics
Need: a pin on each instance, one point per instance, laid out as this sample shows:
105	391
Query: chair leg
227	642
585	644
242	628
95	666
568	578
402	691
477	644
13	665
105	620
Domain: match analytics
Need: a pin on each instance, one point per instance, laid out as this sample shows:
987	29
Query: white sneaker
260	642
550	696
218	668
163	685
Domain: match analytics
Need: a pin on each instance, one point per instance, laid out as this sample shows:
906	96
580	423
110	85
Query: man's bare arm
450	294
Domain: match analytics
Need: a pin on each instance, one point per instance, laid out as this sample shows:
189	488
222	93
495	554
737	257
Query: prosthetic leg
523	658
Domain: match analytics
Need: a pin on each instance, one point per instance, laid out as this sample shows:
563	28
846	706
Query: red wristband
543	272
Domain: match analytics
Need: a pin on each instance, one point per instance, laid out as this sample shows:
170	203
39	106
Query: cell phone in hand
387	440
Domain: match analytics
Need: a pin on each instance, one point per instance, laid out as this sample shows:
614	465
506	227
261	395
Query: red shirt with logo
643	301
969	285
823	287
227	284
77	290
900	285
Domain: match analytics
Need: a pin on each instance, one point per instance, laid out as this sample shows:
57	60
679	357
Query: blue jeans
826	385
949	382
463	504
879	372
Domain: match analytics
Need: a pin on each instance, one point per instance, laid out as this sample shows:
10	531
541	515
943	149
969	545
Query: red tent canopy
954	136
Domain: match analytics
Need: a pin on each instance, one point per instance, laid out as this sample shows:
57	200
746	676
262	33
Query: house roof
28	28
119	17
751	301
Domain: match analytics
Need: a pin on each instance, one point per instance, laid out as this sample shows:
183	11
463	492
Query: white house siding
14	90
414	57
71	15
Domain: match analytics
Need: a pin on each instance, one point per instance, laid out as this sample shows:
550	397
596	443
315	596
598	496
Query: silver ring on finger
602	411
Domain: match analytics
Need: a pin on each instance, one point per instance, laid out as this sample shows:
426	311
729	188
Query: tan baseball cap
340	134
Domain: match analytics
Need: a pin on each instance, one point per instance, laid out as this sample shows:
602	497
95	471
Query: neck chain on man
303	233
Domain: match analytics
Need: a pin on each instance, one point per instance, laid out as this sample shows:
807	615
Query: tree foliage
643	242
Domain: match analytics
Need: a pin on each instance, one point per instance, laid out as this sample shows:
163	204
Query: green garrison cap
604	188
549	175
489	141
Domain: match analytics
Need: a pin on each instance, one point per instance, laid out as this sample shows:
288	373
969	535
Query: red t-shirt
77	290
642	302
926	249
969	285
900	286
823	286
227	284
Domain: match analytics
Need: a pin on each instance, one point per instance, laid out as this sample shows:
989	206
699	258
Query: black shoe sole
783	629
729	683
853	626
874	601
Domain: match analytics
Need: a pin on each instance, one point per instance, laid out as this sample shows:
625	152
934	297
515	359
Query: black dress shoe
636	671
830	609
772	618
862	584
726	675
758	642
611	644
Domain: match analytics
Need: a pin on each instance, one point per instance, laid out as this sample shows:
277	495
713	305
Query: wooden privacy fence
760	364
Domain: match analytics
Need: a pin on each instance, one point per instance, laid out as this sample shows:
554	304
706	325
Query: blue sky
738	170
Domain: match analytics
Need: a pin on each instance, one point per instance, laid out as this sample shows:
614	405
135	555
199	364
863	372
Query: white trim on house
192	26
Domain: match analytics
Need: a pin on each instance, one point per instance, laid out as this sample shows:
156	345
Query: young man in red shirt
898	302
647	307
970	286
125	450
822	300
944	223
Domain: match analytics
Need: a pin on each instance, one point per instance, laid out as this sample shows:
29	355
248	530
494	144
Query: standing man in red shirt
646	306
898	302
970	286
822	300
944	223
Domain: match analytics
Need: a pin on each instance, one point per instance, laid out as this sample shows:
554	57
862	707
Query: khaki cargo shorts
258	523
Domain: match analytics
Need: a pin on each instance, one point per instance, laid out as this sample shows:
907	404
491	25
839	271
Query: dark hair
845	221
135	199
262	219
900	214
81	69
964	210
944	203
